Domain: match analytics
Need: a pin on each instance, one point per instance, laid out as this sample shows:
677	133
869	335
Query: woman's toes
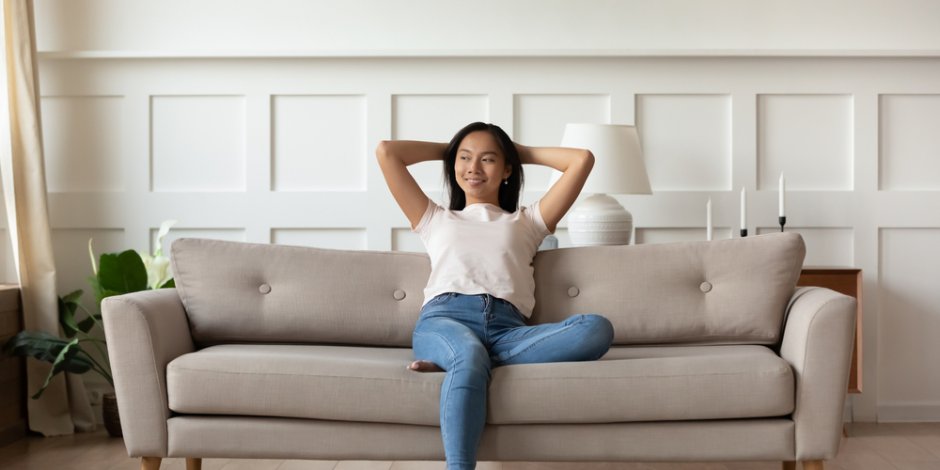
425	366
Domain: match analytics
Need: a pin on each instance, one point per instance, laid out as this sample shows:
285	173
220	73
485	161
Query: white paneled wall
280	150
82	153
142	28
909	321
910	139
808	138
701	159
197	143
306	130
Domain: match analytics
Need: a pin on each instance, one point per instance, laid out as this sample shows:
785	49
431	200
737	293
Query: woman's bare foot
425	366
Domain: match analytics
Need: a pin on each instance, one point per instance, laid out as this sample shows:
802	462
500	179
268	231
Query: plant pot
112	421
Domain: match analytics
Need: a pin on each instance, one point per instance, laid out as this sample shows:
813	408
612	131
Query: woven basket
112	421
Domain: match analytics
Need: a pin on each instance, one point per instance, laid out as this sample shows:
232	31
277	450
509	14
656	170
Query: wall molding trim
484	53
911	412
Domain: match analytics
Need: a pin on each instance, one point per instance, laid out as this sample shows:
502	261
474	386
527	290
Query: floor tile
363	465
419	465
308	465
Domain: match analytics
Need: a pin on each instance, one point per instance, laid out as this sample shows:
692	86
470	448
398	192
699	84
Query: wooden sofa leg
789	465
150	463
193	463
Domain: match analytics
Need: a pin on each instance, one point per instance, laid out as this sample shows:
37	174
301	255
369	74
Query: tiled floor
914	446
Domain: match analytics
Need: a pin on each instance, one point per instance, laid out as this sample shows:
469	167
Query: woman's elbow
382	149
588	157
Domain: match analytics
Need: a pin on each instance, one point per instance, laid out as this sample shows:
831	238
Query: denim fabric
468	335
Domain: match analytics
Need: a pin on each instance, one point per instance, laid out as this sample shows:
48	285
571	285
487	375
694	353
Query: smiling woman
481	289
480	168
483	165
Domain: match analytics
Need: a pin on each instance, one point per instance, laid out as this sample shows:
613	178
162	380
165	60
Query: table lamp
618	169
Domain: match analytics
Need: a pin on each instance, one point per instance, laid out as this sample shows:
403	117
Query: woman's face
480	167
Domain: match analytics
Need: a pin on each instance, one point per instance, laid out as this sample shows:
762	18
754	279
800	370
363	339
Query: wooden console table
849	282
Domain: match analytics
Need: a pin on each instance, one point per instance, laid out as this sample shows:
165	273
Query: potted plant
115	274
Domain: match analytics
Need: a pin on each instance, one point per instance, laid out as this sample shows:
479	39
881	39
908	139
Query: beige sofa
267	351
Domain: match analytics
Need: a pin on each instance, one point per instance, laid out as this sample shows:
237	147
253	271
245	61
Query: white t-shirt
483	250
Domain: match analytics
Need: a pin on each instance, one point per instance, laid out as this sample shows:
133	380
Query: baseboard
909	412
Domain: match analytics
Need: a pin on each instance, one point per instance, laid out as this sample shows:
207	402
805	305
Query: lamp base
599	220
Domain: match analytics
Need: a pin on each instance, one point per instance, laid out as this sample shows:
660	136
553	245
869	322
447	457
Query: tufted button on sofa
267	351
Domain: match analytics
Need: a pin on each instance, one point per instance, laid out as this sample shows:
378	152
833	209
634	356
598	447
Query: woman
481	289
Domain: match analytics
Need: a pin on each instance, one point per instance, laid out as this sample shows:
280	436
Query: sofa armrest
145	330
817	343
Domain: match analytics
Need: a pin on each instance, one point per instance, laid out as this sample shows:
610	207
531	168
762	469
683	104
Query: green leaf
69	359
63	355
96	289
88	323
72	297
107	293
121	273
170	283
67	307
38	344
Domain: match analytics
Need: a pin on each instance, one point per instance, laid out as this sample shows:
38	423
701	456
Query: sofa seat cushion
373	384
646	383
344	383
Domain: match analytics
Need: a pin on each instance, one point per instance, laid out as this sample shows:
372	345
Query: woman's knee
470	353
601	332
472	358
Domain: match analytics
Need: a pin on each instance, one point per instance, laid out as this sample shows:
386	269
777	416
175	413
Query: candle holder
743	232
783	221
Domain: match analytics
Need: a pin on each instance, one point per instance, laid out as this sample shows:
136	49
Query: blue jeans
467	335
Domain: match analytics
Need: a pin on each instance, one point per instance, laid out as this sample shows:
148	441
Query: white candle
743	209
708	220
782	205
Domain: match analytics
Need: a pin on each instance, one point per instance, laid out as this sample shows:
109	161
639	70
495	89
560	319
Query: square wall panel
198	143
82	143
332	238
686	141
403	239
909	154
909	315
434	118
228	234
319	143
540	120
808	138
648	236
825	247
72	262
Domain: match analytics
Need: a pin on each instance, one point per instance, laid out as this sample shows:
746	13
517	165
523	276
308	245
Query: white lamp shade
618	158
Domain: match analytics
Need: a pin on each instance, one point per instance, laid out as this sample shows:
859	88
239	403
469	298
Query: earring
506	181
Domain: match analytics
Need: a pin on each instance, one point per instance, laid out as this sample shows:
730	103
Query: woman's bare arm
576	165
394	156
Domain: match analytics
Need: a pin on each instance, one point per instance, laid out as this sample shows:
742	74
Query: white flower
158	266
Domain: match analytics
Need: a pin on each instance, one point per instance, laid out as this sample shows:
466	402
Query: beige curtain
63	407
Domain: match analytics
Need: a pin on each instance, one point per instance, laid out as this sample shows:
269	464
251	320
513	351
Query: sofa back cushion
720	292
248	292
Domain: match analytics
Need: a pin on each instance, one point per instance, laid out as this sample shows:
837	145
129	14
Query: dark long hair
508	193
